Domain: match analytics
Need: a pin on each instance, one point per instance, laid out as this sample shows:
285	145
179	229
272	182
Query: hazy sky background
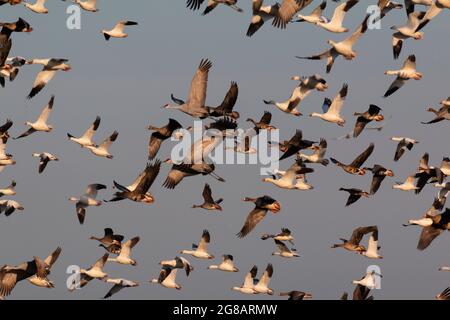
126	81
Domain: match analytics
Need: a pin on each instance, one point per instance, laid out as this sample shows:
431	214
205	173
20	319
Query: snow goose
436	7
294	145
263	284
410	4
407	72
37	7
118	30
160	135
262	205
318	154
87	200
195	105
44	159
9	190
212	4
354	243
444	295
284	235
315	16
407	31
296	295
427	173
102	150
404	144
444	269
335	24
289	178
226	265
51	66
373	114
96	271
139	193
119	284
300	92
264	123
354	195
40	279
87	5
287	11
408	185
5	158
86	139
209	203
442	114
10	69
343	48
11	275
284	251
379	173
180	171
432	227
369	280
125	253
247	286
9	206
167	278
333	108
179	262
261	14
41	123
354	167
228	103
110	241
200	251
445	166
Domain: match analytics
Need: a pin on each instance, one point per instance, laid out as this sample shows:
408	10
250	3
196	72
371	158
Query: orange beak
275	207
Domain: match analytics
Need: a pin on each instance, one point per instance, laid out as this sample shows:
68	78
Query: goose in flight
407	31
432	227
263	124
355	166
9	190
102	150
160	135
179	171
228	103
262	205
110	241
284	235
86	139
41	123
10	68
373	114
200	251
180	262
379	173
315	16
289	178
360	293
427	173
335	24
444	295
119	284
9	206
408	71
51	66
44	159
87	5
212	4
5	158
442	114
195	104
354	195
296	295
354	243
404	144
343	48
40	279
408	185
444	269
263	284
284	251
332	109
287	10
119	30
410	4
369	280
209	203
260	15
249	282
445	166
226	265
37	7
139	192
167	278
294	145
436	7
87	200
300	92
125	253
96	271
318	155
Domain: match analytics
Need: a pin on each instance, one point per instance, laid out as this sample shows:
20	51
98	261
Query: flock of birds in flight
434	222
